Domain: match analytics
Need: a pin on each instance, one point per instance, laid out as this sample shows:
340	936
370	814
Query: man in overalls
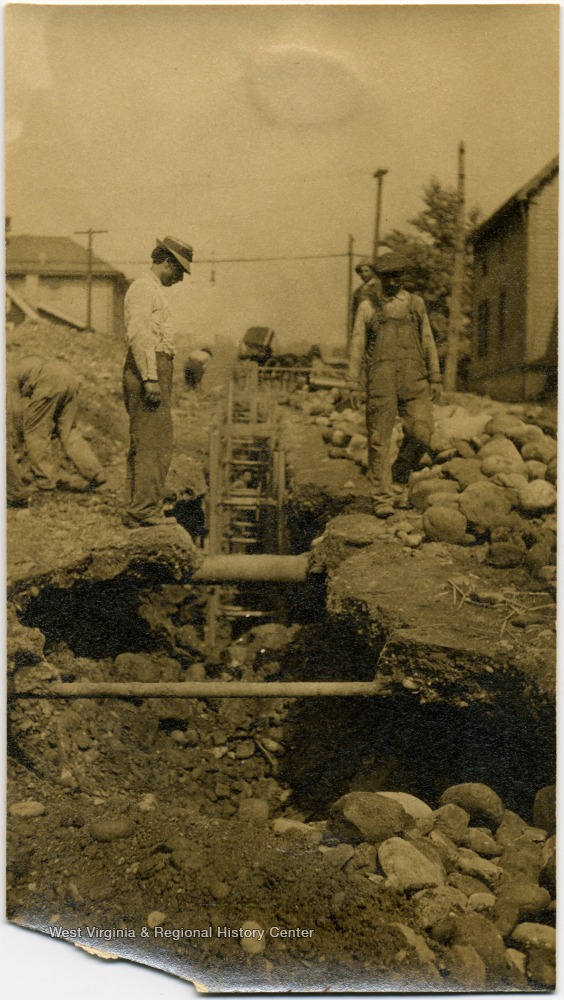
393	335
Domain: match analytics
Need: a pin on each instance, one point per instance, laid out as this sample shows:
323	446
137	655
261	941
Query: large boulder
536	470
452	820
510	829
495	465
502	447
472	864
540	449
406	868
477	799
521	861
514	428
507	548
478	932
413	806
519	900
446	524
544	809
421	489
537	497
368	817
485	506
531	935
511	480
465	969
453	423
431	905
480	840
552	470
442	499
463	470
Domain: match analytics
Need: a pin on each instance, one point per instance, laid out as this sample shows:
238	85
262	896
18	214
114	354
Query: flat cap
392	263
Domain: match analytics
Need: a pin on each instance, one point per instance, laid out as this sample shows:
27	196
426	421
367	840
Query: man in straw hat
395	339
147	382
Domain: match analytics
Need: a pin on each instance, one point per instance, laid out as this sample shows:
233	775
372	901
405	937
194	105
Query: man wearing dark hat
396	342
147	381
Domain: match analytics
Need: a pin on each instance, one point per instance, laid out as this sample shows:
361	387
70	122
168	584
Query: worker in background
394	338
48	391
195	366
147	382
369	285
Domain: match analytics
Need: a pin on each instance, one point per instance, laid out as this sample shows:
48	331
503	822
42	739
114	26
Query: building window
501	319
483	328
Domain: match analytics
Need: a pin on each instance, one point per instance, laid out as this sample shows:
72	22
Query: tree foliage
431	250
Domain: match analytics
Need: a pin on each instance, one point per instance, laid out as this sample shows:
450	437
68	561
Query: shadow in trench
340	745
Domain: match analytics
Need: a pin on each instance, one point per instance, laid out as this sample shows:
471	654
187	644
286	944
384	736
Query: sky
254	131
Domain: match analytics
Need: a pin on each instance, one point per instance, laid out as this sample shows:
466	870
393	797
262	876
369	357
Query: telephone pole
379	176
90	233
349	289
455	303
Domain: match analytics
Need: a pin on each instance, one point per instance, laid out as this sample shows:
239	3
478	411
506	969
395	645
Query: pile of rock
491	478
481	881
497	486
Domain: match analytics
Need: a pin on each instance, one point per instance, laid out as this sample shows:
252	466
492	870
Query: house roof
53	255
522	196
22	304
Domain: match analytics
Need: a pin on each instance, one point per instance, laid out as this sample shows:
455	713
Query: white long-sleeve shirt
148	324
396	307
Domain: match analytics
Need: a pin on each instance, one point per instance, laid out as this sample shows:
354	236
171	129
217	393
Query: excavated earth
156	829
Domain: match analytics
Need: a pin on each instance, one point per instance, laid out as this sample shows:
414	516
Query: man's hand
436	392
152	392
353	387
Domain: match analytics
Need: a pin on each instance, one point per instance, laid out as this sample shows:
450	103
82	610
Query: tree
431	252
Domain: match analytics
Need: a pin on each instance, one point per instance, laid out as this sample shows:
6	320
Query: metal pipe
254	568
204	689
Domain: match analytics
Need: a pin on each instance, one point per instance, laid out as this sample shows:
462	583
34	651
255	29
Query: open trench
141	629
165	808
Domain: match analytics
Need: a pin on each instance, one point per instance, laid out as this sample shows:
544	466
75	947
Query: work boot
382	508
72	484
19	501
98	480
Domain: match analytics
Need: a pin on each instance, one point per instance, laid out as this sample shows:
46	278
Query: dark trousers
150	447
392	391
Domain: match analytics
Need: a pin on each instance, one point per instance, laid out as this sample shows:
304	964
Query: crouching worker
48	391
195	366
393	336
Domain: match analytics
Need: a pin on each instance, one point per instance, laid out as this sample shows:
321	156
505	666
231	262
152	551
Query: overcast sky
254	131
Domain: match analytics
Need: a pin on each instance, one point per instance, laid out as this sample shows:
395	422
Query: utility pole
455	303
379	176
349	291
90	233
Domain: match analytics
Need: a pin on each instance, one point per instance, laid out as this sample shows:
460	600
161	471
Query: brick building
48	275
515	293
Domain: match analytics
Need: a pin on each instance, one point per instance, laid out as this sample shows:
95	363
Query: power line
249	260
